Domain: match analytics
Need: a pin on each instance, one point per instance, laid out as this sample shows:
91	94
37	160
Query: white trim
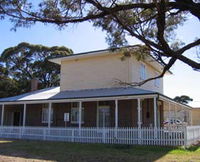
83	99
80	56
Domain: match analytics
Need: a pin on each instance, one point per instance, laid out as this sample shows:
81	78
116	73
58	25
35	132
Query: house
91	96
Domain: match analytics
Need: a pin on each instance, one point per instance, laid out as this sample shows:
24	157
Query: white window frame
143	72
157	81
77	110
47	115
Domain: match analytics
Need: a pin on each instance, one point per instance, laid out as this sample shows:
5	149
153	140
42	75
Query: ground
21	150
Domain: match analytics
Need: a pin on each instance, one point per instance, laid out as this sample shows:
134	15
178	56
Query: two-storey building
91	94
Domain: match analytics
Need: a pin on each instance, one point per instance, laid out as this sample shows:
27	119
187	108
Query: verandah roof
54	93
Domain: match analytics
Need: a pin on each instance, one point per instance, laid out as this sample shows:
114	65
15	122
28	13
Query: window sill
46	122
75	122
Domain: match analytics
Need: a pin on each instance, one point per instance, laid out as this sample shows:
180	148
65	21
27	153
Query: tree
24	62
183	99
153	22
8	86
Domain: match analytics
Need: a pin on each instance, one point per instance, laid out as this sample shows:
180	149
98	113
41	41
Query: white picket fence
143	136
193	135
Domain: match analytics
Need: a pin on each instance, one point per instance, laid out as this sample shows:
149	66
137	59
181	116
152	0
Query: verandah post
24	116
49	115
139	119
155	116
80	115
24	120
116	117
2	114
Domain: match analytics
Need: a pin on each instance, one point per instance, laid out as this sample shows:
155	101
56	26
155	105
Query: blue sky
84	37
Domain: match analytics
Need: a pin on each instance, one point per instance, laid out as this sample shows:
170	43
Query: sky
84	37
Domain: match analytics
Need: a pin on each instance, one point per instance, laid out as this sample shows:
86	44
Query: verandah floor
23	150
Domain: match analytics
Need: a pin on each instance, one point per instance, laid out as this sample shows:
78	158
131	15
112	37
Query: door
16	119
104	116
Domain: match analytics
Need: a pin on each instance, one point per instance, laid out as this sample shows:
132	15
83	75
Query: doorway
103	116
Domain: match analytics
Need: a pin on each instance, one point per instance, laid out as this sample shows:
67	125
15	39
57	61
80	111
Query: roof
54	93
110	51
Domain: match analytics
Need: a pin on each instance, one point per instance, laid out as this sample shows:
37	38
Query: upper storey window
157	81
142	72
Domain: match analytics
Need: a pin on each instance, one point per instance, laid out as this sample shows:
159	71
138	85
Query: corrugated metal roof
54	93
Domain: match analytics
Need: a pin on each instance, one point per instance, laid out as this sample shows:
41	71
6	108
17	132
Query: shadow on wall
62	151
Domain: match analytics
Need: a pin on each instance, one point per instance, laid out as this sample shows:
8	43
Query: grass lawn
21	150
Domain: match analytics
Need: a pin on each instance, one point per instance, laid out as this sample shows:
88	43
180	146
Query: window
75	115
142	72
157	81
45	114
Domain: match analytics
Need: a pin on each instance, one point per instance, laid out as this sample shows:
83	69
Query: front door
16	119
104	116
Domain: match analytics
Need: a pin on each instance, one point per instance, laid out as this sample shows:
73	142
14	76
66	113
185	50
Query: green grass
21	150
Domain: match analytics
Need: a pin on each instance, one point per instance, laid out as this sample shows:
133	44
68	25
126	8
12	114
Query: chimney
34	84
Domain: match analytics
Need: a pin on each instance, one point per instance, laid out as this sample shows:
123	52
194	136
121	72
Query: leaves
183	99
26	61
152	22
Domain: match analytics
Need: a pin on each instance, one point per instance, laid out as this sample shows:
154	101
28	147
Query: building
91	95
196	116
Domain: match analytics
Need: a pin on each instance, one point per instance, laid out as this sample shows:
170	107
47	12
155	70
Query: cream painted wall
102	72
196	116
93	72
150	72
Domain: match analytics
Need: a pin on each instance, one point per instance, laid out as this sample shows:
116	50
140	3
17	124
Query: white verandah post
49	115
139	112
80	115
2	114
116	113
116	117
139	119
24	116
155	116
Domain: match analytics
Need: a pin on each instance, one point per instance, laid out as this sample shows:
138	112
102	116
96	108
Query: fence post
44	134
20	132
104	135
72	135
139	135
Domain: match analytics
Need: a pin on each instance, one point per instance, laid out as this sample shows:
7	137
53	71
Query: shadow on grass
62	151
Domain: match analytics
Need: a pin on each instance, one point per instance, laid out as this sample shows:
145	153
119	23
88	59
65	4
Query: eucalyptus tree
25	62
183	99
153	22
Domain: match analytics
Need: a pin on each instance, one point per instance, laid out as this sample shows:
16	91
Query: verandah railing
144	136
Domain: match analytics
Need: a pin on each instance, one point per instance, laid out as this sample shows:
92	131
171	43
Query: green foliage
152	22
24	62
140	52
183	99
